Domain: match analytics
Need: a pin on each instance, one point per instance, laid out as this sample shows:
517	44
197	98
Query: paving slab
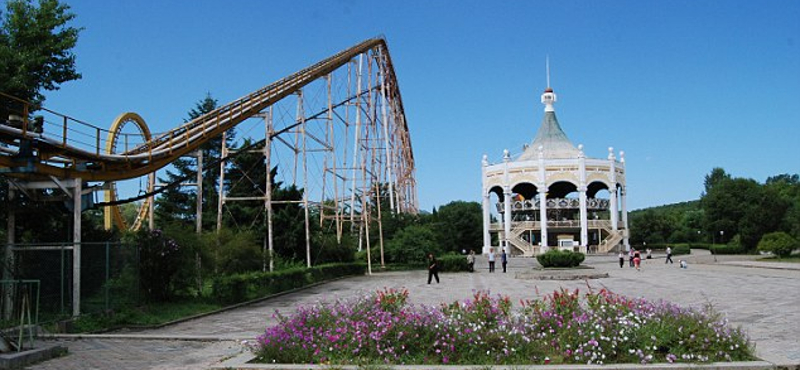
757	296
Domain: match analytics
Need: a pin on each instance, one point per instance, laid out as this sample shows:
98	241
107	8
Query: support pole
76	248
302	117
151	223
8	290
268	187
221	192
199	209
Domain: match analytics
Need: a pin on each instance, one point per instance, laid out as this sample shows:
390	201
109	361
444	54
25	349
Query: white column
584	218
487	238
613	208
506	218
76	248
582	195
507	204
542	200
626	234
623	192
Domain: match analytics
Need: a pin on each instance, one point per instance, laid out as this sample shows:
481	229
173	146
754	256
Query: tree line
733	211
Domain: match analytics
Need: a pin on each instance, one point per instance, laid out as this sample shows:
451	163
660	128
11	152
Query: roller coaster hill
338	127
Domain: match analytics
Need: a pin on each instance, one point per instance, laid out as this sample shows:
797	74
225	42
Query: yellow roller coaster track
55	154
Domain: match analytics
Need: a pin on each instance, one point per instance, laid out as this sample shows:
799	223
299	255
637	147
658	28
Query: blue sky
680	86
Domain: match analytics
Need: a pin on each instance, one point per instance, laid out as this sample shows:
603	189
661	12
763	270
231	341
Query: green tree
36	48
179	204
458	226
779	243
650	226
716	176
412	244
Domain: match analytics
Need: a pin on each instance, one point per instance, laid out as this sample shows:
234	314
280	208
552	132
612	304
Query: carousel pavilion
553	196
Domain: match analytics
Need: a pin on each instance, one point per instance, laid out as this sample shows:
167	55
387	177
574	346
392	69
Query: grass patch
791	259
150	315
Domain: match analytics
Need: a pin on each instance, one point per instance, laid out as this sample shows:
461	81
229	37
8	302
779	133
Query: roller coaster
341	121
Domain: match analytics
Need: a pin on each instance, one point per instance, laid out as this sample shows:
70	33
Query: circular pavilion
553	196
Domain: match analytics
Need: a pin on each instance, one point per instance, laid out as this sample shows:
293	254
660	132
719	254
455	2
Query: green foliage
179	204
326	249
730	248
139	315
237	288
234	252
411	245
452	263
458	226
36	49
160	261
558	258
779	243
681	249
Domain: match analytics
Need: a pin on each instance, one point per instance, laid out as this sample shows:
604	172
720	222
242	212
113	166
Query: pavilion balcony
592	204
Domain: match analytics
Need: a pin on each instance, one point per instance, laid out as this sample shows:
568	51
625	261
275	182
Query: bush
557	258
679	249
326	249
779	243
234	252
453	263
728	249
160	261
244	287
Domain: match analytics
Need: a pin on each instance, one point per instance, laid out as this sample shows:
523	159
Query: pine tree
178	204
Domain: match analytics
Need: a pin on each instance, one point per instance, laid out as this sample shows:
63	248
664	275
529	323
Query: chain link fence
38	278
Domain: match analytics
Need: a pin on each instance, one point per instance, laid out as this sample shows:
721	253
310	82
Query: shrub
779	243
160	259
453	263
326	249
234	252
728	249
557	258
244	287
679	249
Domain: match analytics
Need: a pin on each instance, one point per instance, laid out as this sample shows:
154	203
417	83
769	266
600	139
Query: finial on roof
549	97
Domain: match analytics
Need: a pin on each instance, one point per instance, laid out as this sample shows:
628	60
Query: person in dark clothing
504	260
433	268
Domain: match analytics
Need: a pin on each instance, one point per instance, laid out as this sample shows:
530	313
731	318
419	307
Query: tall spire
547	67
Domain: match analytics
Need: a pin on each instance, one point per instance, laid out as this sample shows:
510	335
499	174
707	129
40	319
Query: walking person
669	256
491	259
504	260
471	260
433	268
637	260
621	259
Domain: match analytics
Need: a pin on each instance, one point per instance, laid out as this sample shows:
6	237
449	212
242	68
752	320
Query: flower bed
563	327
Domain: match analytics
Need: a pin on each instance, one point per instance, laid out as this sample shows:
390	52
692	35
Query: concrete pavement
761	297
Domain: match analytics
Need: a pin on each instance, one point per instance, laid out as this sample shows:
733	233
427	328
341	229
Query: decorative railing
592	204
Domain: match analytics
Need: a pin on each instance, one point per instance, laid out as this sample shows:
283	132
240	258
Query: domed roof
550	137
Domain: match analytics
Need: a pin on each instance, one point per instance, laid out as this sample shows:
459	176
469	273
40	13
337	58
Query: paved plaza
761	297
